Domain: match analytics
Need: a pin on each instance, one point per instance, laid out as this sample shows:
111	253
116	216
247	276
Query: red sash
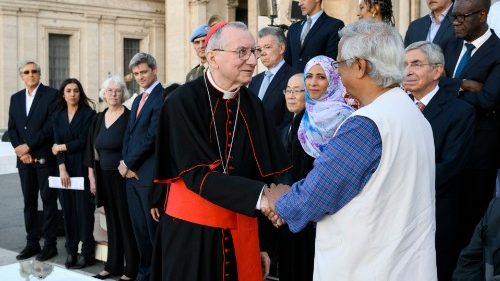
184	204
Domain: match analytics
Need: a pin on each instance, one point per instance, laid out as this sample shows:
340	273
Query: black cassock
186	145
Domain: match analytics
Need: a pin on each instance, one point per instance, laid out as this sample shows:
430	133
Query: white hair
119	82
379	44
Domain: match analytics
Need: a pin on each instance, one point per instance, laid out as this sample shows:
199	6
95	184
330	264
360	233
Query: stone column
10	81
89	67
176	34
157	31
231	10
108	63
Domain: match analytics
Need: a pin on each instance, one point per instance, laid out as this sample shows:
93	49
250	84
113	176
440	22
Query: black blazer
74	135
483	67
419	28
452	122
274	100
139	140
34	128
322	39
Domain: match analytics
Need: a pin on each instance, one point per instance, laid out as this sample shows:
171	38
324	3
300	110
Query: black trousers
78	210
34	179
121	240
477	188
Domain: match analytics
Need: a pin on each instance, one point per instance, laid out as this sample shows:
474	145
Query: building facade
91	39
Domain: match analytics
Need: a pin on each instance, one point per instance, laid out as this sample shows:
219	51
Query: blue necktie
465	59
265	83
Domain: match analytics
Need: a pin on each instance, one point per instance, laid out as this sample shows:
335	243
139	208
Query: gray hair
142	58
431	51
119	82
275	31
378	43
216	41
26	62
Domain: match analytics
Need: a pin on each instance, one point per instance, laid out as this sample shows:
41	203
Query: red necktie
420	105
141	103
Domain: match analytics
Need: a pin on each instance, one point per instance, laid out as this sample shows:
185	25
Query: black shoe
70	261
47	253
83	262
28	252
102	277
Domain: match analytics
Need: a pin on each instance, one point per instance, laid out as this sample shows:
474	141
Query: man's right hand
122	168
155	213
26	159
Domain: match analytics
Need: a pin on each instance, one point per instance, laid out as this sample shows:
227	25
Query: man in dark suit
316	35
435	27
30	132
138	153
452	122
269	85
473	63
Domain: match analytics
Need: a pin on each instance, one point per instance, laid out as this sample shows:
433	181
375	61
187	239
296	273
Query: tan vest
387	231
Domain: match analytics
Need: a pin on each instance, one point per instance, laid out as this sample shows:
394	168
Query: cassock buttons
229	110
230	122
25	127
229	133
226	250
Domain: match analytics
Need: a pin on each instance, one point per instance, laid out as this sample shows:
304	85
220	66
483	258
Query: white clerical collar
226	94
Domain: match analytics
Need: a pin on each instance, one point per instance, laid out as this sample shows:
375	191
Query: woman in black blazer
103	154
71	127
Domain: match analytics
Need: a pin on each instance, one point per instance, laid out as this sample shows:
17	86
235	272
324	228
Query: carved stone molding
232	3
198	2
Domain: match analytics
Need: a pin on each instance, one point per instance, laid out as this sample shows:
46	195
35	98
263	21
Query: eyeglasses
114	91
294	92
33	71
417	64
243	53
336	64
461	18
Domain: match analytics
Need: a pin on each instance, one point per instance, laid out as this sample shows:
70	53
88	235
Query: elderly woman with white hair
371	190
104	147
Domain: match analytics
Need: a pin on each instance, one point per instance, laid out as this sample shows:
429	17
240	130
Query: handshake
267	204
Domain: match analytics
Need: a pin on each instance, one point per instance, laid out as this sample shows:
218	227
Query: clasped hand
269	197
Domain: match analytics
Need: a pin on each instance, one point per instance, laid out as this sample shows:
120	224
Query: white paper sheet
77	183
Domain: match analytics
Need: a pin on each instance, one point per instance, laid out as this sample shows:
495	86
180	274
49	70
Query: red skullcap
214	29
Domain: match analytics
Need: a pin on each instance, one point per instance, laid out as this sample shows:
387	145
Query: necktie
420	105
144	97
305	30
265	83
465	59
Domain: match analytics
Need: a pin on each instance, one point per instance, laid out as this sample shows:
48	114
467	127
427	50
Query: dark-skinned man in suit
452	122
269	85
435	27
473	65
30	132
138	156
313	36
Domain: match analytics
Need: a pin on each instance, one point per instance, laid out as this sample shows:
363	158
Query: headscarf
323	116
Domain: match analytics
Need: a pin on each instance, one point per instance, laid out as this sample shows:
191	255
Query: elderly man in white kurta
371	191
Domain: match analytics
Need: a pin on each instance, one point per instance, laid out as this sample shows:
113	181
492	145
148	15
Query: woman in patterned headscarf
326	107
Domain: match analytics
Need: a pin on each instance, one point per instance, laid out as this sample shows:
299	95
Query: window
58	59
130	48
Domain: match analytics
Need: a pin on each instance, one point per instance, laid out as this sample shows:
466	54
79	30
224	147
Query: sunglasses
33	71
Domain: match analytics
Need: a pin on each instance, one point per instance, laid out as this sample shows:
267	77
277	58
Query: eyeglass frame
464	16
419	65
113	91
238	51
32	71
336	64
294	92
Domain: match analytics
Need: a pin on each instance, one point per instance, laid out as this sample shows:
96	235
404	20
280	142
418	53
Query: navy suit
478	180
274	100
452	122
78	206
322	39
419	28
138	154
35	130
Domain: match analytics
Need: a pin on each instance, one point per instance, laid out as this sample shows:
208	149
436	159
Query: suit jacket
139	140
452	122
74	134
419	28
322	39
483	67
34	128
274	100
